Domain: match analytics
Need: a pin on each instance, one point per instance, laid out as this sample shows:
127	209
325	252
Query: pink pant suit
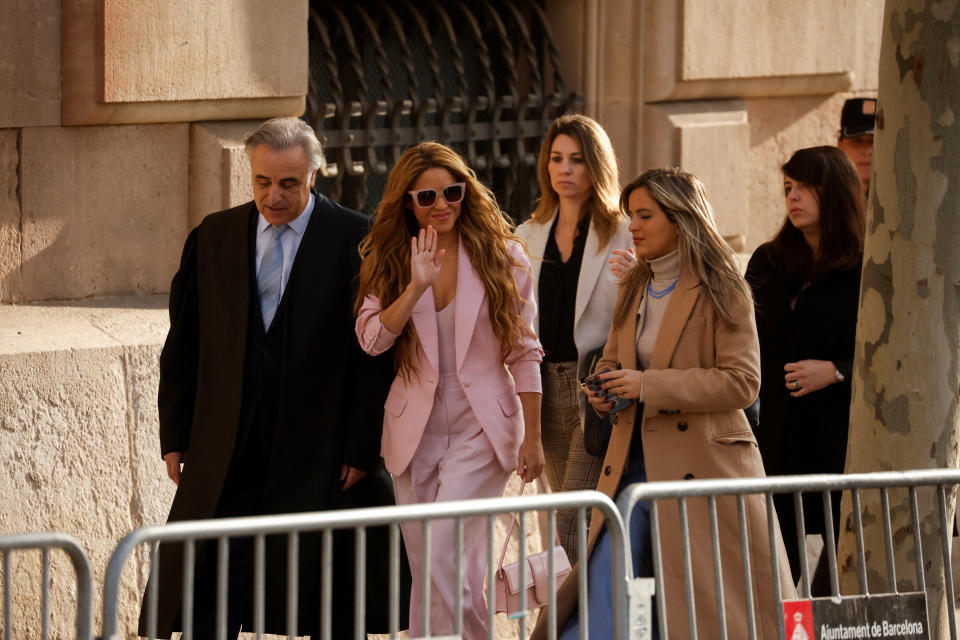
452	431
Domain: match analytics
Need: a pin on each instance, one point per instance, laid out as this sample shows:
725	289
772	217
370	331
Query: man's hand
349	476
174	460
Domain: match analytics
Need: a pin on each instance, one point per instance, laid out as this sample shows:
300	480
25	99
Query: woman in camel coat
683	347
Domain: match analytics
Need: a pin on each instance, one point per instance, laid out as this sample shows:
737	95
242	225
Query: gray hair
280	134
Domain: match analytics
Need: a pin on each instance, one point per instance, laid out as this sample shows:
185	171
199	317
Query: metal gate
483	77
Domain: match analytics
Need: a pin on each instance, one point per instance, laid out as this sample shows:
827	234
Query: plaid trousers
569	466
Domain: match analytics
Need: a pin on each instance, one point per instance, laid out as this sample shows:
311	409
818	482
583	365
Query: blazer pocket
695	323
395	404
735	438
509	403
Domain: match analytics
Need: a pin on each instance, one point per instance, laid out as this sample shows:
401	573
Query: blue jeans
599	568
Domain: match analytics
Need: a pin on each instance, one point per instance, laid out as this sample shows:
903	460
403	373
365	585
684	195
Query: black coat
806	434
223	380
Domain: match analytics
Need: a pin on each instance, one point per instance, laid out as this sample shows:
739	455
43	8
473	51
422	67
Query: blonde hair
601	163
703	251
484	232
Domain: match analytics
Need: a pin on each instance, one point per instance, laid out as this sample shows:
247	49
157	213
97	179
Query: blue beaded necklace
659	294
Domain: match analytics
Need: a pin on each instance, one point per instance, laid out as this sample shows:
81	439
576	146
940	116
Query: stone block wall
105	165
219	167
103	208
78	442
30	64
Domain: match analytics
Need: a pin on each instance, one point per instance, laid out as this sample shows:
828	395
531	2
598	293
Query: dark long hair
834	179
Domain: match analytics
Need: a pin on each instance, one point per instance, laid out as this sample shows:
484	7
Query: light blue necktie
268	279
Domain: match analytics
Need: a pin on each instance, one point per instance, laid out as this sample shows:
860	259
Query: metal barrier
44	542
681	491
359	519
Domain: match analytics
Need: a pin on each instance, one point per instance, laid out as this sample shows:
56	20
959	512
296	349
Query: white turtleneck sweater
666	270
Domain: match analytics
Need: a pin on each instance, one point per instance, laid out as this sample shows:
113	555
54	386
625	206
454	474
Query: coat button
616	419
689	476
682	426
607	470
466	383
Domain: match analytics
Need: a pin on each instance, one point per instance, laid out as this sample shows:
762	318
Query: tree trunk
906	378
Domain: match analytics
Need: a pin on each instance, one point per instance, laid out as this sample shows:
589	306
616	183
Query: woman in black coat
806	284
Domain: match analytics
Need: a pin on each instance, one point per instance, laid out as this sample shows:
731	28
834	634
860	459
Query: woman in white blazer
574	235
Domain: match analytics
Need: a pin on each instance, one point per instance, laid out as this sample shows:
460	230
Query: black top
557	290
807	434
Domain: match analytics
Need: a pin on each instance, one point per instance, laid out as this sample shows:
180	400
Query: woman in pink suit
444	281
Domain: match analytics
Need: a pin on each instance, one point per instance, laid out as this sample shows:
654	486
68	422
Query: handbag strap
503	552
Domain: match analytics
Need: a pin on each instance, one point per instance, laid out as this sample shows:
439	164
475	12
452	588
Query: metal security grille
482	76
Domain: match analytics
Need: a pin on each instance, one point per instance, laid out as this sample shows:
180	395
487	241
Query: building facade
121	126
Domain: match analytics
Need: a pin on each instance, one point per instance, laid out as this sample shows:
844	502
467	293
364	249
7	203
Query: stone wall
104	208
95	216
78	441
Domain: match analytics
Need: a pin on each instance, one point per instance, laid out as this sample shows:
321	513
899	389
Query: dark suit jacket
310	374
806	434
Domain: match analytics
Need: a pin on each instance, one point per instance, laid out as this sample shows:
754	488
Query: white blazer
596	287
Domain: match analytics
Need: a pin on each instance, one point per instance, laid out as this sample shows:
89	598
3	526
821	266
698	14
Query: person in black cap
856	135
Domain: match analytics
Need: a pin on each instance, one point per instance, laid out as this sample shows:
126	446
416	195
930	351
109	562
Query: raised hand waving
425	258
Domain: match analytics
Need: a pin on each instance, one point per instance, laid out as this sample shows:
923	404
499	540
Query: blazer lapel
627	338
674	320
424	316
470	295
536	245
591	266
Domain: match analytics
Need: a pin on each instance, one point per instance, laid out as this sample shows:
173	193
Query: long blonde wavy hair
703	251
484	232
601	163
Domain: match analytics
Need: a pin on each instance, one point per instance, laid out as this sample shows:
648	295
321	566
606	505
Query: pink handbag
536	575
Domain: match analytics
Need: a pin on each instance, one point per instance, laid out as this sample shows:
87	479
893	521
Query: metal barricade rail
359	519
45	542
681	491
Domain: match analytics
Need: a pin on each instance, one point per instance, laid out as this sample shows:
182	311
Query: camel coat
703	371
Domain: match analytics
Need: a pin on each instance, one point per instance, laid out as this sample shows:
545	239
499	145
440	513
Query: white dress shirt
289	241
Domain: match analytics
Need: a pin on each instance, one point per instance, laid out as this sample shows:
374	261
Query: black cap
857	117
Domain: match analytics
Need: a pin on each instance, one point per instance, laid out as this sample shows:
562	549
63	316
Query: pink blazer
490	383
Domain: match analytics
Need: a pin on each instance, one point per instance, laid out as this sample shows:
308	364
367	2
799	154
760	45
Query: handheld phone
593	382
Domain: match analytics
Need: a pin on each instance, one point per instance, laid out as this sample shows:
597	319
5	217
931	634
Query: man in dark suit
267	404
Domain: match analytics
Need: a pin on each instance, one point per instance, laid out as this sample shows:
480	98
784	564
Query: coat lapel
591	266
470	295
674	320
536	246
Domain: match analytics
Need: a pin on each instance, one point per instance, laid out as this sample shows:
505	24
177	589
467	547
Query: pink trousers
454	461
